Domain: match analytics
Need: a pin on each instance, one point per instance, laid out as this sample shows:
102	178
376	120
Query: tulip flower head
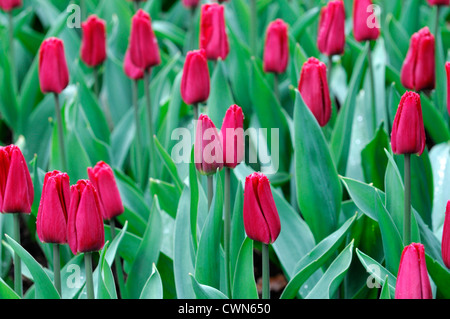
213	35
365	24
445	245
408	131
51	223
232	135
16	187
132	71
412	277
313	87
418	70
102	177
438	2
85	232
261	220
93	45
208	154
191	3
8	5
331	34
195	81
276	48
53	71
447	69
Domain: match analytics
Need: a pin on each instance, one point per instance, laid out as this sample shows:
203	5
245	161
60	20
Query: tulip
418	70
313	86
16	187
195	82
412	277
331	34
132	71
438	2
261	220
191	3
53	71
445	246
93	45
447	68
51	223
102	177
408	132
365	24
144	50
213	36
85	232
232	136
276	48
208	154
8	5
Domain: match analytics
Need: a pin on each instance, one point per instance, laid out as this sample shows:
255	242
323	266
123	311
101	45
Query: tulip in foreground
412	277
53	71
8	5
365	24
232	135
93	45
331	34
445	245
208	154
276	48
195	81
213	35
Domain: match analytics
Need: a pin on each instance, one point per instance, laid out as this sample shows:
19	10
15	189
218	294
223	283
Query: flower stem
62	150
265	272
57	268
17	261
407	209
372	88
227	228
96	81
138	133
254	27
89	277
136	5
117	263
210	190
149	120
276	86
438	13
11	47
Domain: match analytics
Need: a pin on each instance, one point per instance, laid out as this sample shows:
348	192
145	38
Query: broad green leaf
385	293
167	194
440	275
362	194
6	292
205	291
104	289
434	122
153	288
244	285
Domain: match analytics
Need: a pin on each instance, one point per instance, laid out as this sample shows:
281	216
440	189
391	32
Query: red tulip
16	187
195	82
8	5
232	135
331	34
447	68
144	50
93	45
85	232
408	132
445	245
53	71
261	220
276	48
313	87
365	24
438	2
208	154
418	70
132	71
102	177
213	35
412	277
51	223
191	3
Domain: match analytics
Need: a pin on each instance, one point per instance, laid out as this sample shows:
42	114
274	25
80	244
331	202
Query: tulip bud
261	220
276	48
51	223
132	71
438	2
313	87
213	35
144	50
418	70
93	45
191	3
195	82
208	154
8	5
365	24
53	71
16	187
408	132
232	135
412	277
445	244
331	34
102	177
447	68
85	231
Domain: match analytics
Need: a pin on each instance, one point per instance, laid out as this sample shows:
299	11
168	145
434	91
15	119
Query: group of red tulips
74	214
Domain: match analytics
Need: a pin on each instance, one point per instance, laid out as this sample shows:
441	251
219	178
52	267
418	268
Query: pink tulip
331	34
195	81
447	68
438	2
93	45
365	25
132	71
53	71
208	154
213	35
8	5
276	48
232	134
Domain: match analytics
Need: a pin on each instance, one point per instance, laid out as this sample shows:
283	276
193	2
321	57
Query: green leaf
153	288
105	288
319	191
385	293
167	194
205	291
6	292
440	275
169	164
244	285
434	122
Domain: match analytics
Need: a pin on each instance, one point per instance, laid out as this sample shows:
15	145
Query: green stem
227	228
407	209
210	190
193	43
254	27
436	27
62	150
276	86
89	276
83	10
330	68
96	82
150	121
11	47
138	133
136	5
265	272
17	262
57	268
117	262
372	88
